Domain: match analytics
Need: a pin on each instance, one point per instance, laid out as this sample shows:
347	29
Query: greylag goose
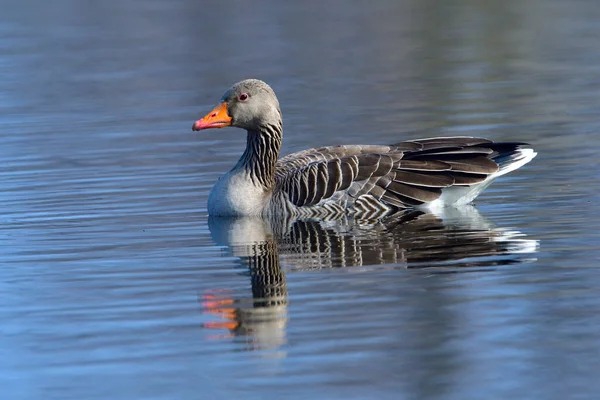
356	180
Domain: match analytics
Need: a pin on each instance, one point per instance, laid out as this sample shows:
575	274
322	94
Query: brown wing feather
401	175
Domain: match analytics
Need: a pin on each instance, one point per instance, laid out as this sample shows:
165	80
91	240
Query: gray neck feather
261	154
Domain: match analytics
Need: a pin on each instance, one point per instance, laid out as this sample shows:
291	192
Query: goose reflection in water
459	240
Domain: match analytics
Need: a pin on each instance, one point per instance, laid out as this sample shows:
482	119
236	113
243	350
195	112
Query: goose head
250	104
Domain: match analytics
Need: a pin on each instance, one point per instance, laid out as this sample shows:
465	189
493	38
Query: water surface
115	283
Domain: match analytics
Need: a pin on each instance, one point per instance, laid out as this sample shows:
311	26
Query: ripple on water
115	284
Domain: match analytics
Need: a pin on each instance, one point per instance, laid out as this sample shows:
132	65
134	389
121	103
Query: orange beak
217	118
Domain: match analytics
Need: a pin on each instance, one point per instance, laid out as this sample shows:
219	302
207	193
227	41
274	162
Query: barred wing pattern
370	179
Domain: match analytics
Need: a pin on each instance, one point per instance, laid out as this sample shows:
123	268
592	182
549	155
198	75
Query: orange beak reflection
217	118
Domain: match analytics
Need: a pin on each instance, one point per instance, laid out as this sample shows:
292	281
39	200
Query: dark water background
115	284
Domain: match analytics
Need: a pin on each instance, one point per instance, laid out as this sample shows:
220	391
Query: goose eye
243	97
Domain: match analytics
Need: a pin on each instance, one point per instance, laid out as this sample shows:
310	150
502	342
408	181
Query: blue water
115	283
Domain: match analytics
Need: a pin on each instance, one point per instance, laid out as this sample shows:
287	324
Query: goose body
359	180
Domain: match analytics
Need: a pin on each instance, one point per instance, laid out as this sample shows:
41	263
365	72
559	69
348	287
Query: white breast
235	194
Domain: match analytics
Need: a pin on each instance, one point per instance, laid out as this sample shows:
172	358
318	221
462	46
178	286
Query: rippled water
116	284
